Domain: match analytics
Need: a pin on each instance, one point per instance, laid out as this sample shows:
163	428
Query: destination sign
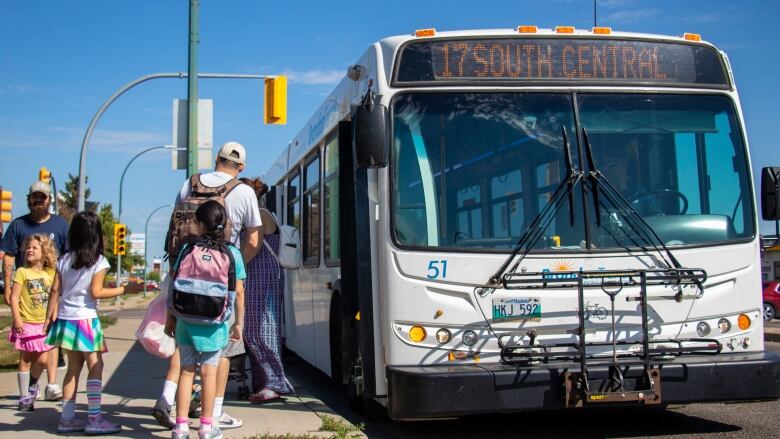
559	59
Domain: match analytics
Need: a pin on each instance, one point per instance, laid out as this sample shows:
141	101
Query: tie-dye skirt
77	335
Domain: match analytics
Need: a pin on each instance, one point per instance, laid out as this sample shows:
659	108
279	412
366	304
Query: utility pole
192	92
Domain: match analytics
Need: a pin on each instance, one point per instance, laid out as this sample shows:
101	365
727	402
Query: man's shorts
190	357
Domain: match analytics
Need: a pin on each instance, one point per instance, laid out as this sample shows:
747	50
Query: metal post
119	215
114	97
146	242
192	92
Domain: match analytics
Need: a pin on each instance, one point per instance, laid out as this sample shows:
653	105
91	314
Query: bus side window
311	212
331	200
293	201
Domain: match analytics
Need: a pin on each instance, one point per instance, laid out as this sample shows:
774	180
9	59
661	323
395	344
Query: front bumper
455	390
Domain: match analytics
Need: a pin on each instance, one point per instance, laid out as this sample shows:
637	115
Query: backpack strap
224	247
229	186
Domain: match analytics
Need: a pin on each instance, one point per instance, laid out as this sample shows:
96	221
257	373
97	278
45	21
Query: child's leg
183	396
23	375
70	383
51	365
208	376
37	364
94	383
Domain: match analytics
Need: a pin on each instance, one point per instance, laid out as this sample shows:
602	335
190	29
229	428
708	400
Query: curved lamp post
146	241
115	96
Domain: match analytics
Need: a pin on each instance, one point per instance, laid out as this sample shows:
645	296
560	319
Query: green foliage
342	428
68	204
153	275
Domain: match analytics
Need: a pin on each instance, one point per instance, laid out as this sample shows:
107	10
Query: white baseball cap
41	187
234	152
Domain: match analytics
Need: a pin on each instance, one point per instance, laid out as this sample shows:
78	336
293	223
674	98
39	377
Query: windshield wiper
600	183
543	219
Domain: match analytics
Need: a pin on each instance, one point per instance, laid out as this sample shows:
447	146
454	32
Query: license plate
517	308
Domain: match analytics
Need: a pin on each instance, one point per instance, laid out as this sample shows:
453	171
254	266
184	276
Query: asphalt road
754	420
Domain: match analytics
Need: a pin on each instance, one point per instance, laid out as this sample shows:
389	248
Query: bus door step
578	394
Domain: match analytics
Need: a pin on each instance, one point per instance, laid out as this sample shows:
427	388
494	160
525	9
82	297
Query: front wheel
769	312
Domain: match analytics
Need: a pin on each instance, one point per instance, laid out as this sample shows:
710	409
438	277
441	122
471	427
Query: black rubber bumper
446	391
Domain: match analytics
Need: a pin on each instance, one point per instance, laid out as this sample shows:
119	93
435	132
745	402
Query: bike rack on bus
633	285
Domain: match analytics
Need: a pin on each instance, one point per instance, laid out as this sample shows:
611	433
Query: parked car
771	300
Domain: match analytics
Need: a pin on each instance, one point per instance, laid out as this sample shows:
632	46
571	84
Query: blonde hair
48	251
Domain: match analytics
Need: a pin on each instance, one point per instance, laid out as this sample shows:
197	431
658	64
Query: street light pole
192	91
119	214
146	241
114	97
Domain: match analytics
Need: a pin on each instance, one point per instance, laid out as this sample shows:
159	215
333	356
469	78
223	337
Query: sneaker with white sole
226	421
26	403
163	413
101	425
53	392
176	434
214	433
73	425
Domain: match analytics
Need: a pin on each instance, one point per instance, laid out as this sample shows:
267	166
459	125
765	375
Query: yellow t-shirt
36	285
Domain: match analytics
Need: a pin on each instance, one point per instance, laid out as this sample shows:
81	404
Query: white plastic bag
151	331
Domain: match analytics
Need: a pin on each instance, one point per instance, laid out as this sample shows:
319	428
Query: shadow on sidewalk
139	375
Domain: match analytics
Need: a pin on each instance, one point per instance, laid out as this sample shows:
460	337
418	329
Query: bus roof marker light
600	30
692	37
527	29
425	32
564	29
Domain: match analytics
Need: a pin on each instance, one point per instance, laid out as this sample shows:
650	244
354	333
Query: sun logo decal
562	265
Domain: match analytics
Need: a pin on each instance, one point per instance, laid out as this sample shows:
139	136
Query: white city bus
507	220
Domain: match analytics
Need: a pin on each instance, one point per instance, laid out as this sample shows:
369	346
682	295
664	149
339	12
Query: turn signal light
743	322
417	334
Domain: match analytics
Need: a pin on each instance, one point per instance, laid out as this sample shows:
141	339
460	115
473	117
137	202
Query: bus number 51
437	269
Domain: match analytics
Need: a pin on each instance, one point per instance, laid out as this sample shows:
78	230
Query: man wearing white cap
39	220
244	215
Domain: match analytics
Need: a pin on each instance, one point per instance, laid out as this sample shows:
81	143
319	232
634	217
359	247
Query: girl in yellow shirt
29	301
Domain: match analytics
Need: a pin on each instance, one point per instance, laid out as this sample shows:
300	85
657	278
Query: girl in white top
78	284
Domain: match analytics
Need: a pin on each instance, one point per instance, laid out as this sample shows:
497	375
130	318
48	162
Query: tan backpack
183	225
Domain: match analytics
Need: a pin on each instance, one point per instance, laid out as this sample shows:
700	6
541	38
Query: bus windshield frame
717	121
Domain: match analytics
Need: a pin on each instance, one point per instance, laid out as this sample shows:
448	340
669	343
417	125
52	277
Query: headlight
703	329
724	325
469	337
443	336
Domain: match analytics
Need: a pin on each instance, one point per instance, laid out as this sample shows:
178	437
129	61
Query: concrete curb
772	336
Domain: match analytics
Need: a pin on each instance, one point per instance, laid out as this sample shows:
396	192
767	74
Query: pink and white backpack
204	283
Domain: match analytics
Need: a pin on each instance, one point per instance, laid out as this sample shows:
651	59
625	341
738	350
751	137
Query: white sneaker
53	392
226	421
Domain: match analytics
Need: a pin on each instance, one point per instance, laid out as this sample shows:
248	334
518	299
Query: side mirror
370	135
770	193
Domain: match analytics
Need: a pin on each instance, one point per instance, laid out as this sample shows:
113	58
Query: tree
153	275
68	205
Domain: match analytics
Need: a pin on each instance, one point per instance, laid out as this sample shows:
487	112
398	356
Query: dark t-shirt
56	228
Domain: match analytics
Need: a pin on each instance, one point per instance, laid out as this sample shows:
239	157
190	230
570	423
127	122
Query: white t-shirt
241	203
75	301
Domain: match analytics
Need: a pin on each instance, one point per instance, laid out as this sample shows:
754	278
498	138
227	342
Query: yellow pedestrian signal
5	206
44	175
275	108
120	239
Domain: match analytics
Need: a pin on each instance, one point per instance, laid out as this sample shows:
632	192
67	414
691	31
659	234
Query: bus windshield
471	171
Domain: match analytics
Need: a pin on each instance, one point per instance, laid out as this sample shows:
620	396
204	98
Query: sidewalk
133	380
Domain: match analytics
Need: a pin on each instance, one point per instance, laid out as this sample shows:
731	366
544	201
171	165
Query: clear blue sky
59	60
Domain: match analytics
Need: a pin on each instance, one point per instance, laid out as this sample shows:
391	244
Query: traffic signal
5	206
44	175
275	108
120	241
